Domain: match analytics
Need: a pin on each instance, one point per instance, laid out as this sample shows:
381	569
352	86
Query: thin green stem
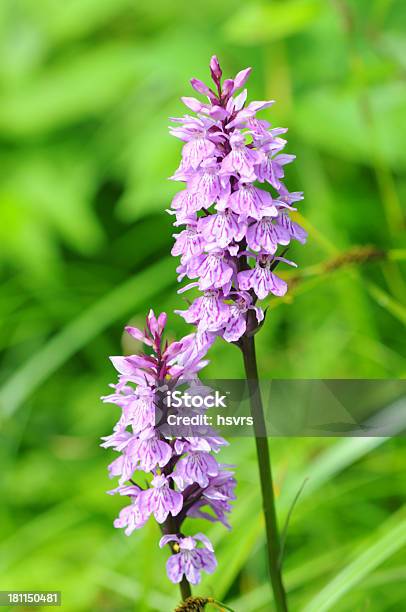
220	605
185	589
265	473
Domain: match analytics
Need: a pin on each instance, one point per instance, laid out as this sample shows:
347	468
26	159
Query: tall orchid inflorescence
233	226
185	478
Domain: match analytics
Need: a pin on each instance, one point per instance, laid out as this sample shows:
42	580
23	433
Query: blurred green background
86	90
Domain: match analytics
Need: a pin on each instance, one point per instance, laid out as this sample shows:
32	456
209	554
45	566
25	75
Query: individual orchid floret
236	325
221	229
261	279
241	160
209	311
189	559
161	500
217	497
133	516
213	270
266	234
195	467
189	243
252	202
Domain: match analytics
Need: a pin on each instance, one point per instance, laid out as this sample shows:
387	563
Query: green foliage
261	22
389	539
86	91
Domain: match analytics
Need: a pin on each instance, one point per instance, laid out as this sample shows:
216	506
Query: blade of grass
382	545
395	308
284	532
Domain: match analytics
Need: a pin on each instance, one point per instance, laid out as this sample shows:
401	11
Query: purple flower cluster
185	478
232	226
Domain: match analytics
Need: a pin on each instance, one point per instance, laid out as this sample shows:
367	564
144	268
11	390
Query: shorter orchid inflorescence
232	225
185	479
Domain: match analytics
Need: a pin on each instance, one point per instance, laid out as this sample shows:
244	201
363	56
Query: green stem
265	473
185	589
221	606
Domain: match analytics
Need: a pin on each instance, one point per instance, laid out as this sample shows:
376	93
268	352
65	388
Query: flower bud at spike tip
215	69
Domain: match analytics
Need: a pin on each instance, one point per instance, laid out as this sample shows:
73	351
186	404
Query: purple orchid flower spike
181	469
235	206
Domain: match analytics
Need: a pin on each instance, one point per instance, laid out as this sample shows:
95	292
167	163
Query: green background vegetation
86	89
